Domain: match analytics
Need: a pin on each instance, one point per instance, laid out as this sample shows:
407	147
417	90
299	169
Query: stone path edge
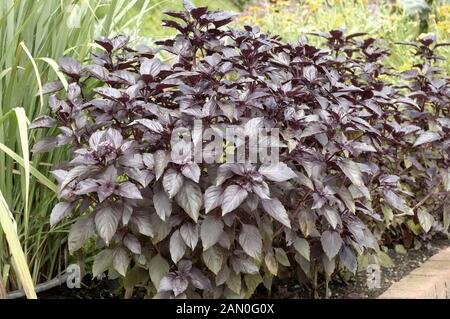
429	281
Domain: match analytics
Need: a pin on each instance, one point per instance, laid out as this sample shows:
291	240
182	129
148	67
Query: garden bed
356	287
404	264
353	288
359	140
90	289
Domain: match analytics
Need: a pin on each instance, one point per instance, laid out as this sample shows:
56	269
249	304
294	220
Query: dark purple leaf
190	198
80	232
331	243
191	170
51	87
172	182
151	67
106	222
46	144
275	208
233	196
250	240
42	121
128	190
213	198
163	204
190	232
60	211
132	243
70	66
427	137
210	231
177	246
277	172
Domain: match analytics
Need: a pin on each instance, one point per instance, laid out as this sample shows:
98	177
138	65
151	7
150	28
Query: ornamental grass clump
178	206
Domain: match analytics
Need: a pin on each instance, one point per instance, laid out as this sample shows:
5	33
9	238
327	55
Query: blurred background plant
392	21
151	22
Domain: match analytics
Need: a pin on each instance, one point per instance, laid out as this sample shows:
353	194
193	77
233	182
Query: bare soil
90	289
354	287
404	264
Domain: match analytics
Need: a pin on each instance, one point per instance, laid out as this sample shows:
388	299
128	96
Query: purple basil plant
358	152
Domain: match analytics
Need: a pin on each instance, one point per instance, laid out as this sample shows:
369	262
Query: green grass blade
3	293
36	71
55	68
21	266
22	123
38	175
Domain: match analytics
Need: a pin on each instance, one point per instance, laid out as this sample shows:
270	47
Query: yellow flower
443	25
245	18
444	11
284	3
313	7
404	67
254	9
